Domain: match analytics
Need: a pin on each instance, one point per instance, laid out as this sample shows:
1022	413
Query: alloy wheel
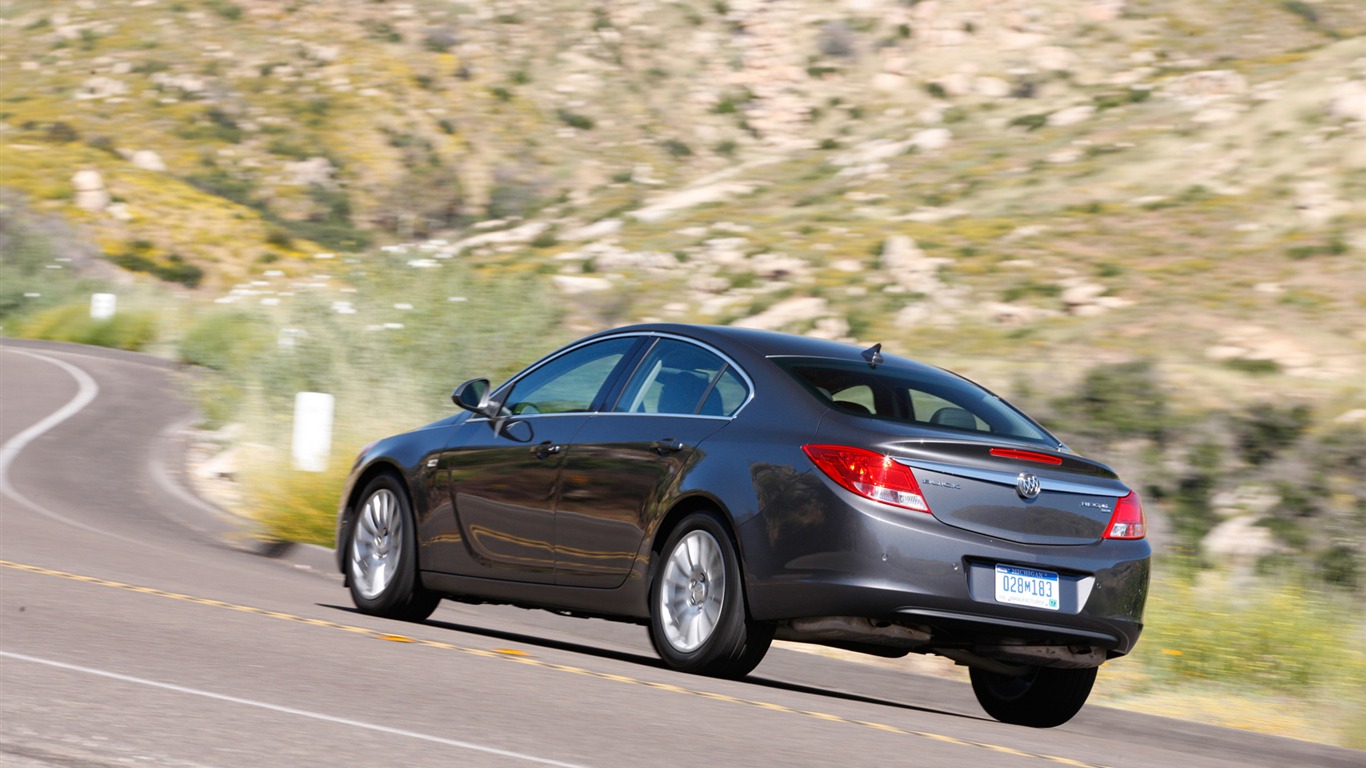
377	543
694	591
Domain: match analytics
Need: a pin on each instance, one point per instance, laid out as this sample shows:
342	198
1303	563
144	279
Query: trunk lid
1028	495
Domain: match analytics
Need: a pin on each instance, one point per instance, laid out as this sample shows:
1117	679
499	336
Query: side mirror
473	395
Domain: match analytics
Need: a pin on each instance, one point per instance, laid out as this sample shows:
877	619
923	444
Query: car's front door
504	473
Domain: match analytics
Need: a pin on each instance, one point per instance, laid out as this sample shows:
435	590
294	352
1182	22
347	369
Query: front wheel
698	620
1044	697
381	566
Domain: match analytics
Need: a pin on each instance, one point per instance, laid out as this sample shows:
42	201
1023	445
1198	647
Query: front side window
918	395
679	378
569	383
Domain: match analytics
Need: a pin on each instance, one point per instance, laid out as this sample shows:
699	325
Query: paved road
135	629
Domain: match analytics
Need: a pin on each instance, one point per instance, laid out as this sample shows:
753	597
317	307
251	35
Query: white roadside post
312	430
103	305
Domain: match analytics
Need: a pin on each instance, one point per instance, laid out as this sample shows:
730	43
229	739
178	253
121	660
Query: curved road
135	628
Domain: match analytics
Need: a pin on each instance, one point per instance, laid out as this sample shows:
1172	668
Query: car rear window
920	395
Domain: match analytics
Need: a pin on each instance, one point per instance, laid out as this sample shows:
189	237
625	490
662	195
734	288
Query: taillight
869	474
1128	521
1011	453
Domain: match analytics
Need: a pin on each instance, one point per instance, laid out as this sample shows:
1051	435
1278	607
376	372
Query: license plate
1026	586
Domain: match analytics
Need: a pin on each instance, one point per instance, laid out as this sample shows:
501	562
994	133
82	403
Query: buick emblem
1027	485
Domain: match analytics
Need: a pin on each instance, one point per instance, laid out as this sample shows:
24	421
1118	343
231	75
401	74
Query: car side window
680	378
569	383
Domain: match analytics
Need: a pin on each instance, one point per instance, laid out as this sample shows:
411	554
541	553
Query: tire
698	619
1042	698
381	562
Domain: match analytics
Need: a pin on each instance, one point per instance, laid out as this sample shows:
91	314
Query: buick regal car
726	487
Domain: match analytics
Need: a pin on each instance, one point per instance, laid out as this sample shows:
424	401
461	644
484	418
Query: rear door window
679	378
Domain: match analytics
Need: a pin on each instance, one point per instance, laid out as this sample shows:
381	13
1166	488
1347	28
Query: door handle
546	449
668	445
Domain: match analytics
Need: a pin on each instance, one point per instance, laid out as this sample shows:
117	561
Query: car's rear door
625	462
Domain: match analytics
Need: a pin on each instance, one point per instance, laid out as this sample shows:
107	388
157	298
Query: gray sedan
726	487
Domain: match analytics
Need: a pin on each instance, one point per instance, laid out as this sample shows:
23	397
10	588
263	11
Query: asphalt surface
138	626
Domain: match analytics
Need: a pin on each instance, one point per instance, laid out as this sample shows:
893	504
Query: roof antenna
873	355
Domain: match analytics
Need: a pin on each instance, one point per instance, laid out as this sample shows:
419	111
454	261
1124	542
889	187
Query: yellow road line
534	662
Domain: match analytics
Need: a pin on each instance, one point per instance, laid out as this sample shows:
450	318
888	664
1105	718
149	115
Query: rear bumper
837	555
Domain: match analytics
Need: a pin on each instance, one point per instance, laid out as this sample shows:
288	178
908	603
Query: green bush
575	120
382	31
677	149
1281	635
132	330
224	341
1030	122
1123	400
31	243
1252	366
1192	507
514	193
174	270
218	181
1029	288
297	506
330	225
458	327
229	11
547	239
1263	431
1302	9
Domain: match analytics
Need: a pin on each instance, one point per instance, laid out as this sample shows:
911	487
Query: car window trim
621	374
642	348
729	364
667	415
632	360
628	359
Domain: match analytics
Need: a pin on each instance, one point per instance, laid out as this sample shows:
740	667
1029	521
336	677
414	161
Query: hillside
1047	184
1045	172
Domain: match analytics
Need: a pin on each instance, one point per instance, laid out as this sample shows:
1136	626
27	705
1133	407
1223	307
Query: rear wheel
381	564
698	619
1042	698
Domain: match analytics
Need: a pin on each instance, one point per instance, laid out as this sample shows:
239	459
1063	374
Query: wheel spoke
693	633
376	543
692	551
676	579
715	567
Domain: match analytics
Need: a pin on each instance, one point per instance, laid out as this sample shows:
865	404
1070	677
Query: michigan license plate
1026	586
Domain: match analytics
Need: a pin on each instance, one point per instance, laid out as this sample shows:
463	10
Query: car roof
765	343
761	343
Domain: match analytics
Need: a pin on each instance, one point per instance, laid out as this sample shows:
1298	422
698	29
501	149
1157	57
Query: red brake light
1128	521
869	474
1011	453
